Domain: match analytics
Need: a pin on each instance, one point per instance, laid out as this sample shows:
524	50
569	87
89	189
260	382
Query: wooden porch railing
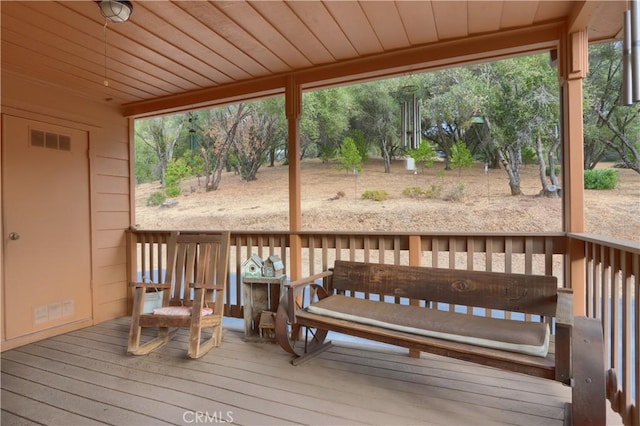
613	295
518	253
608	262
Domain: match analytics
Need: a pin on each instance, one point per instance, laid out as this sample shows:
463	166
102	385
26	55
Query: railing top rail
367	233
617	243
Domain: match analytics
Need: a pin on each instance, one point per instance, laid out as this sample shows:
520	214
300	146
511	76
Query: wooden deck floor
85	377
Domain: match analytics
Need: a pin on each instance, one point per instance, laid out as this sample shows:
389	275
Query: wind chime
410	117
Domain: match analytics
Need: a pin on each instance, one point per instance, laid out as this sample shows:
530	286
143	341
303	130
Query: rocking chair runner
193	295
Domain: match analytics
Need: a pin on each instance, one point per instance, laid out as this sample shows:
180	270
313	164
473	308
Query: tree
146	167
378	117
219	129
324	121
451	97
609	126
522	102
161	135
254	138
279	147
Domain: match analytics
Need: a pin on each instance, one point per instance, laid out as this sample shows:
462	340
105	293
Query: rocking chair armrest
149	285
207	287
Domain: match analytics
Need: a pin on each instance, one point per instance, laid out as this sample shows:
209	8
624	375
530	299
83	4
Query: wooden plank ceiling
171	48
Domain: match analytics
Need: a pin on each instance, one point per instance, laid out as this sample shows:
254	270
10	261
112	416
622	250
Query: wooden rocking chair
193	295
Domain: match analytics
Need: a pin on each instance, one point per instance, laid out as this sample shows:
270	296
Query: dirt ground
331	200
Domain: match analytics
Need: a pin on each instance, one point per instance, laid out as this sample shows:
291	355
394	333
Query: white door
46	226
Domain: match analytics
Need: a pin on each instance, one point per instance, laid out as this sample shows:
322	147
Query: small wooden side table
261	298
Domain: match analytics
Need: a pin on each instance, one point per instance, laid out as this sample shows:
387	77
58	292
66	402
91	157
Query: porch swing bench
398	305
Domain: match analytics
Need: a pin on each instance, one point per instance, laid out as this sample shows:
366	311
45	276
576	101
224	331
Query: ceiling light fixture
116	10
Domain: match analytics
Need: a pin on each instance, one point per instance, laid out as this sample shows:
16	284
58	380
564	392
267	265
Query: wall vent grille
50	140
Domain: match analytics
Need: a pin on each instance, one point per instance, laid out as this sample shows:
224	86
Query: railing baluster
508	254
528	255
397	260
470	253
312	255
488	262
382	245
627	381
143	258
528	263
635	414
325	253
548	256
615	314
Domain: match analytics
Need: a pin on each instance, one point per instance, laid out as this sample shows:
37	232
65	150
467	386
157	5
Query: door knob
14	236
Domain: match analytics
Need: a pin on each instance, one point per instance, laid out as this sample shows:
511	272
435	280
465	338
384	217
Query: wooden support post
573	55
293	104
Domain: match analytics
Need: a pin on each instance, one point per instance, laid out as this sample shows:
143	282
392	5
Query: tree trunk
552	162
541	163
272	157
217	177
513	173
547	190
207	169
494	161
163	168
447	160
386	157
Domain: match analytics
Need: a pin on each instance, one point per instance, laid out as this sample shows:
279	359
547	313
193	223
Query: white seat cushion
529	338
180	311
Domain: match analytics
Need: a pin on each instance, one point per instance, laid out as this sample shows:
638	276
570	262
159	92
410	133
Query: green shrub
176	171
556	169
418	192
173	191
600	179
361	143
529	155
423	154
377	195
156	199
461	157
413	192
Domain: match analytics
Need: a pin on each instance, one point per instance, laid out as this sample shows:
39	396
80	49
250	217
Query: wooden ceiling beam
206	98
581	15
